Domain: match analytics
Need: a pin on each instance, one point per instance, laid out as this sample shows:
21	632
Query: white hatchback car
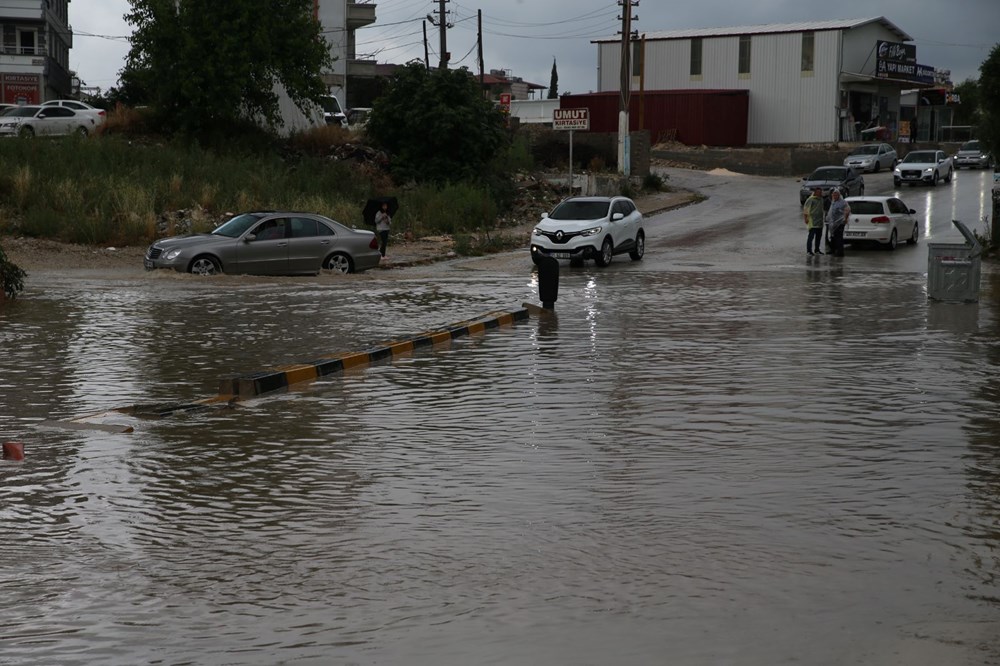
597	228
872	157
882	220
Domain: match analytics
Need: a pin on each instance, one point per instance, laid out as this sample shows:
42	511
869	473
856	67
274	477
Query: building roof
770	28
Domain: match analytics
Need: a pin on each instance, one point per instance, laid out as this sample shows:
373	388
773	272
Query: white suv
597	228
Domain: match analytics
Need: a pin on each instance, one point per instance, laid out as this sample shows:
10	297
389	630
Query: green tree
438	126
554	82
989	101
208	66
967	112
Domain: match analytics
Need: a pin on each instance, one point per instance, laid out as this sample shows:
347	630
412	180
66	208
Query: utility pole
427	57
479	32
443	23
625	86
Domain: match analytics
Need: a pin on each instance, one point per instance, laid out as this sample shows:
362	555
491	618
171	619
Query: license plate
855	234
561	255
148	263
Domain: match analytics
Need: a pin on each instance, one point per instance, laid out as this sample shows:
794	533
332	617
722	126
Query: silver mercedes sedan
269	243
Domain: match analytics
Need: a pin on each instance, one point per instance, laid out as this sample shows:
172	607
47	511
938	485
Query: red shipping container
692	117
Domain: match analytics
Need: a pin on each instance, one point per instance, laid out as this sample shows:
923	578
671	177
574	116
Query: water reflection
626	478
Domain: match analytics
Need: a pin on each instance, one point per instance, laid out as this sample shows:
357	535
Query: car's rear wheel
340	262
205	265
915	236
607	251
640	247
893	241
82	131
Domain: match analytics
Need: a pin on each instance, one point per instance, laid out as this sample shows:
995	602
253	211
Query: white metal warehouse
808	82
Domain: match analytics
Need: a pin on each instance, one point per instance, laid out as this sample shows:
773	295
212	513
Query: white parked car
44	121
923	166
882	220
597	228
872	157
81	108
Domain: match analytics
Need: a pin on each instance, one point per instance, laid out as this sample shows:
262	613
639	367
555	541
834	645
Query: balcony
360	14
361	68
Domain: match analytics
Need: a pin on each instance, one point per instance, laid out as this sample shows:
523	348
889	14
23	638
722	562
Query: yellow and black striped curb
279	379
256	384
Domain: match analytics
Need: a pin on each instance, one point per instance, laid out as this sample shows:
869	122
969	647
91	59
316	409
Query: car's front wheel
26	132
878	165
896	182
205	265
607	251
893	241
339	262
935	179
947	178
640	247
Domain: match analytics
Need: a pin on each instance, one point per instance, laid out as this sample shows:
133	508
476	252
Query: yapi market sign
895	60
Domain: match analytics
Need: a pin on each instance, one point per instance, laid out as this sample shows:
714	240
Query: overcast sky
523	36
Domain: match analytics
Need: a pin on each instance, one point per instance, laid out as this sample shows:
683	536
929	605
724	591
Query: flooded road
697	461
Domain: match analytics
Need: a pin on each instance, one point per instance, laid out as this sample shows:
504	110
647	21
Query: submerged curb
243	387
278	379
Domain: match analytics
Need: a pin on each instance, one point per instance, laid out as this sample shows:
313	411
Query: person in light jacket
382	225
836	219
812	212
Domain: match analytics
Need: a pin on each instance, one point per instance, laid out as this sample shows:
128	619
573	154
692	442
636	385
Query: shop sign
20	89
895	60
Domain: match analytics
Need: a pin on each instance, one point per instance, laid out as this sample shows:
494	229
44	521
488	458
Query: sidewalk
432	249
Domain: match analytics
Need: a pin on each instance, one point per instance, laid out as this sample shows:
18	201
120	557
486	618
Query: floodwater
687	467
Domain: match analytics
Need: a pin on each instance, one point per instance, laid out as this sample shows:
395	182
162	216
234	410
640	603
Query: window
303	227
696	56
744	54
26	40
898	207
808	50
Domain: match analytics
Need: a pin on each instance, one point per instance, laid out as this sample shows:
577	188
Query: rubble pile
186	221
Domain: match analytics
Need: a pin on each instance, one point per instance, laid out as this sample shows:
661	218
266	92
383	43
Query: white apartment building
35	39
340	19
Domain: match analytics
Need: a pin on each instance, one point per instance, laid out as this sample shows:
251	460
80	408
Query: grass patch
115	189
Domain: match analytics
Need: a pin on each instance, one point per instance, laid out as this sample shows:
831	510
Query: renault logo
559	235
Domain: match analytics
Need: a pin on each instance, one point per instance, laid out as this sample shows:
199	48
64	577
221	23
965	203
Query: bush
11	276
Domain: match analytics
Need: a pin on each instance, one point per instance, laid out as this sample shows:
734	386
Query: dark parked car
846	179
269	243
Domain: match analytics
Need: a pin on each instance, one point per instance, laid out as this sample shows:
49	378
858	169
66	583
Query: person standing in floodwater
812	212
383	223
836	220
